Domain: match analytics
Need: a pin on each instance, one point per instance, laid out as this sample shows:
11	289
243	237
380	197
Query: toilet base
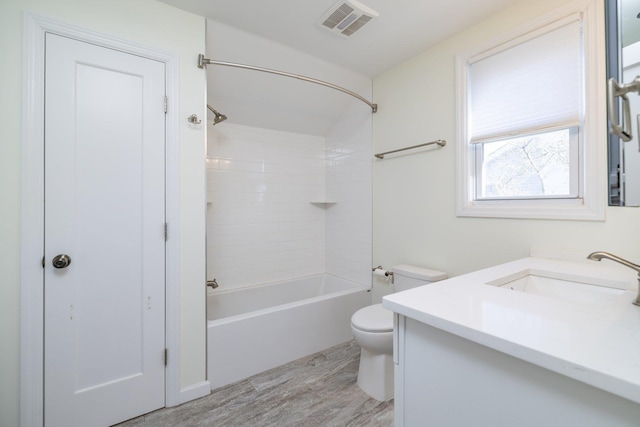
375	375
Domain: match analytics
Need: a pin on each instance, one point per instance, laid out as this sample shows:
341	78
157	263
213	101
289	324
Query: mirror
623	64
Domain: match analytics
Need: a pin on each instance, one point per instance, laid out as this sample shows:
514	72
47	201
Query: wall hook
194	119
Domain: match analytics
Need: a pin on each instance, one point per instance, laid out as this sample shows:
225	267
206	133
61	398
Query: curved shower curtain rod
202	62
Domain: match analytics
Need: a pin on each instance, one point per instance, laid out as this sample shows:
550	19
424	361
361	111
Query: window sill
575	209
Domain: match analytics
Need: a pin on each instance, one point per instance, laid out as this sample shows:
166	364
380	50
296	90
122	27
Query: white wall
268	101
150	23
261	226
414	194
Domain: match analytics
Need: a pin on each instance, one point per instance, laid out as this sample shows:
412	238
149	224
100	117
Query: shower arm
202	62
218	117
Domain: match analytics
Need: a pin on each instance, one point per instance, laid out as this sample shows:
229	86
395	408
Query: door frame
32	209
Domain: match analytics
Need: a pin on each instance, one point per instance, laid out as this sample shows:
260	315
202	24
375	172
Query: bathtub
251	330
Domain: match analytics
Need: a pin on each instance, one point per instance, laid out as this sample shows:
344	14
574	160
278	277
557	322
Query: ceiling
403	29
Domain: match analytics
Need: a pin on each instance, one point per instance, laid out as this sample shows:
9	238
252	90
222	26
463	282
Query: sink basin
581	290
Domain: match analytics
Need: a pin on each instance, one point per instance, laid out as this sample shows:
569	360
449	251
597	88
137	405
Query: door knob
61	261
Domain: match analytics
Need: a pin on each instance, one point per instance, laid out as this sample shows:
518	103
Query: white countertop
595	344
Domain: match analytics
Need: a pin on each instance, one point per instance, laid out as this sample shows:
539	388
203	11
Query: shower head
217	116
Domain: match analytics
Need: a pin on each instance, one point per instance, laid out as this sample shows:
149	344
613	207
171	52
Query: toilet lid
374	318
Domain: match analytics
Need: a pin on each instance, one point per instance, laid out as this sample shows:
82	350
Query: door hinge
166	231
166	356
42	262
166	104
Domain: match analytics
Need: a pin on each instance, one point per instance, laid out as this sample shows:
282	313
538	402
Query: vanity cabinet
442	379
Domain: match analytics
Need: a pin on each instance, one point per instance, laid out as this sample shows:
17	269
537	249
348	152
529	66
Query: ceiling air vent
346	17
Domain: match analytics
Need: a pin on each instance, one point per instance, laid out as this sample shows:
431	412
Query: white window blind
530	86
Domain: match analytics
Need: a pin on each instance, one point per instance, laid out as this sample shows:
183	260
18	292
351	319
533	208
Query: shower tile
282	172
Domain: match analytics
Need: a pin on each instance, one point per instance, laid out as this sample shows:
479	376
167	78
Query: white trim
32	295
594	129
522	35
516	133
172	218
32	228
194	391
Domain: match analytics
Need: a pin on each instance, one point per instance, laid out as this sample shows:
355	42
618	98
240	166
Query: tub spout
597	256
212	283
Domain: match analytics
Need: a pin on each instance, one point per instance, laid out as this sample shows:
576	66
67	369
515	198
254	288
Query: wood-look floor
317	390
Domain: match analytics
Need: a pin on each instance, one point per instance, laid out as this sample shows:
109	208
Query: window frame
590	205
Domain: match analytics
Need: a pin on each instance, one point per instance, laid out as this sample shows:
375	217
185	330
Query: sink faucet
597	256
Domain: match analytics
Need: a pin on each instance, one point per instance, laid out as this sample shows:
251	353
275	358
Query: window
531	135
538	166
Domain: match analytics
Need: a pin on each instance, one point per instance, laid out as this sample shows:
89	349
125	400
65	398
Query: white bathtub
254	329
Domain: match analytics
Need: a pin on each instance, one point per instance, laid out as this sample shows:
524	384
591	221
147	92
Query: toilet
372	328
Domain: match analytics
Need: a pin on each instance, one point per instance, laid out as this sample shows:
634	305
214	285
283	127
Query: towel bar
440	142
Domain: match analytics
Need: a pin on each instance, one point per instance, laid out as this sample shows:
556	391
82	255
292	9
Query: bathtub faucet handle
212	283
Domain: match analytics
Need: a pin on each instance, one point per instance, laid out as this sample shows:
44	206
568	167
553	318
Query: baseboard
194	391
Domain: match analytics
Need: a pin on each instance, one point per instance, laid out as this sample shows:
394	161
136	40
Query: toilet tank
407	276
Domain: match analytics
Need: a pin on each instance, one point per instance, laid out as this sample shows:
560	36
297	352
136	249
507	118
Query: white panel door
104	208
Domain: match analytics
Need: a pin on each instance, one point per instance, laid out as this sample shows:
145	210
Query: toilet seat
373	318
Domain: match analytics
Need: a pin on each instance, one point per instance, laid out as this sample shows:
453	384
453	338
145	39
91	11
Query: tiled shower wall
349	181
262	224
